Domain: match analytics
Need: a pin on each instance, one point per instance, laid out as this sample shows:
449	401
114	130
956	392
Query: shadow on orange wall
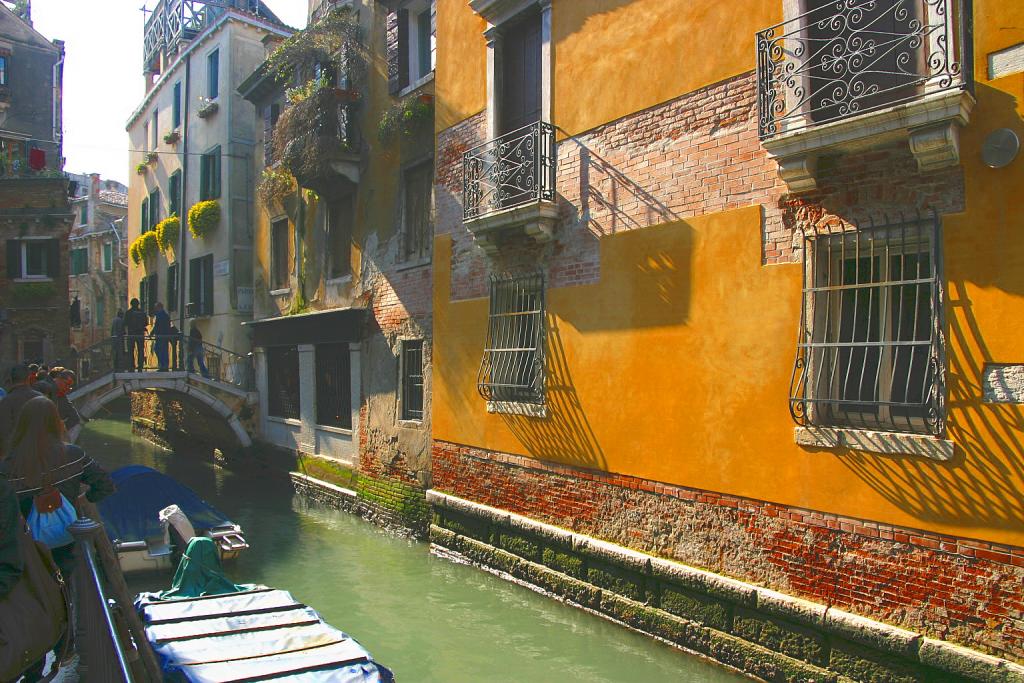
982	483
566	435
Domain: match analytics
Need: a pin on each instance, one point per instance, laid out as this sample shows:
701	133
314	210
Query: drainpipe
183	232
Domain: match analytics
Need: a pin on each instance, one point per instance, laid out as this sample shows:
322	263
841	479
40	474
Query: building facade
97	258
192	143
35	216
728	333
342	266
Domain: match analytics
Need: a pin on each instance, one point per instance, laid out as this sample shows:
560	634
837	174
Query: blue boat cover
130	514
260	634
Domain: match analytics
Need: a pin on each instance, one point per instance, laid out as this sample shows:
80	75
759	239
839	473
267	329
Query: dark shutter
13	259
520	97
268	135
143	294
193	283
215	175
204	177
208	284
152	294
53	258
398	50
176	106
172	288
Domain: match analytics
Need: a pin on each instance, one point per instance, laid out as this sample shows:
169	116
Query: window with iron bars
871	352
283	385
512	369
412	379
333	386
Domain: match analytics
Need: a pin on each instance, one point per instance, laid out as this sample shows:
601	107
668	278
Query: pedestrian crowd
42	476
128	335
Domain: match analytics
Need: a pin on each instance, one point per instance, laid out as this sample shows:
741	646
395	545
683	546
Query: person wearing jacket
10	520
21	391
162	336
195	350
135	323
39	458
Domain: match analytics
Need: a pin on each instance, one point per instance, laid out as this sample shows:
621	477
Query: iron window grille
513	170
412	379
283	386
842	58
512	368
871	351
333	386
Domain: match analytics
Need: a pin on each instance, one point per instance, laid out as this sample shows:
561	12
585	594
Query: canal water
426	618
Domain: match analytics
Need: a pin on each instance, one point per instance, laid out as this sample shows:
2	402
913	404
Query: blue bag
50	518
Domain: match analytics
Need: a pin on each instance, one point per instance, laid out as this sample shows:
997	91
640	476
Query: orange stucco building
703	295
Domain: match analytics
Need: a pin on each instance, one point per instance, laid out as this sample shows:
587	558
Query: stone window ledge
280	292
413	87
513	408
931	124
334	430
537	220
888	443
290	421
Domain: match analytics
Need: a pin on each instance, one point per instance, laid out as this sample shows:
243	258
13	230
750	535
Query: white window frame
24	242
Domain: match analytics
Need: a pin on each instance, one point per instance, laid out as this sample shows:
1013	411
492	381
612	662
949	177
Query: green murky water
426	618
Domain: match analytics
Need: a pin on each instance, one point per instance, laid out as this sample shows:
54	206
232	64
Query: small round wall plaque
1000	148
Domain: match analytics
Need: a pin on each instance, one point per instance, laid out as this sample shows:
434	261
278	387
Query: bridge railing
110	637
159	353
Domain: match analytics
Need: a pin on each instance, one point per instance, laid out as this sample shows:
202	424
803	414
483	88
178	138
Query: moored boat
151	517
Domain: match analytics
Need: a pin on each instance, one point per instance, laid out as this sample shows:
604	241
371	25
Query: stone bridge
223	398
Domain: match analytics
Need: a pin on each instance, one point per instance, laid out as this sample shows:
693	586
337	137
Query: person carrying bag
33	598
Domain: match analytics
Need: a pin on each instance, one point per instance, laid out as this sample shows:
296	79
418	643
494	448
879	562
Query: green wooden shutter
208	284
13	259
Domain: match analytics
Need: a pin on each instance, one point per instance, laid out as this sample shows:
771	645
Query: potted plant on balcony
152	158
167	232
203	218
275	186
143	247
406	118
207	108
141	168
173	137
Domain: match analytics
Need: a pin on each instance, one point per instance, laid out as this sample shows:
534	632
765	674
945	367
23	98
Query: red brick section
959	589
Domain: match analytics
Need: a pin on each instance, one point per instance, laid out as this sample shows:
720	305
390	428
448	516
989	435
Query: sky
103	82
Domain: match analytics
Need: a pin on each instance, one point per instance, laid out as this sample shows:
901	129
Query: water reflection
425	617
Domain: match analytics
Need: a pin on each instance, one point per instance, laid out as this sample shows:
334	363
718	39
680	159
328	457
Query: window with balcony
512	369
870	354
280	254
209	175
283	391
417	229
835	76
339	237
333	386
411	384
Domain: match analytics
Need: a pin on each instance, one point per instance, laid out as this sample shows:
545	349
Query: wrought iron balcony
845	58
175	21
513	170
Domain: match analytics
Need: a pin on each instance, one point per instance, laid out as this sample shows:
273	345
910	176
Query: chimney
94	184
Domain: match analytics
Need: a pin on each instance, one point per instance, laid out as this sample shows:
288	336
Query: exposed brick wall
958	589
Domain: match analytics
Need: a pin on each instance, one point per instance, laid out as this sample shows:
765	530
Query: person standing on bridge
135	323
195	350
117	341
162	336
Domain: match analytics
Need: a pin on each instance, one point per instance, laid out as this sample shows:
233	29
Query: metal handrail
850	57
515	169
108	617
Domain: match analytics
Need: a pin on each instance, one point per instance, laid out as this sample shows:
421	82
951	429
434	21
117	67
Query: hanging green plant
141	168
143	247
321	43
407	118
172	137
167	232
275	186
203	218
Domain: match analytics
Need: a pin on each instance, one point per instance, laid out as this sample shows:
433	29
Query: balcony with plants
847	75
316	139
